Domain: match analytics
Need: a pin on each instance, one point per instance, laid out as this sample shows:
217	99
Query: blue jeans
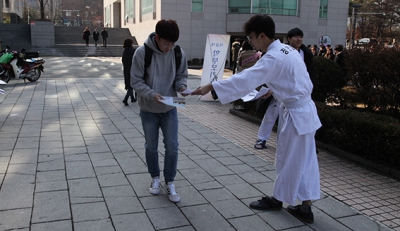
168	122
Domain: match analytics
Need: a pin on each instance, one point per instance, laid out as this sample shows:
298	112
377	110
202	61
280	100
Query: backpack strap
149	53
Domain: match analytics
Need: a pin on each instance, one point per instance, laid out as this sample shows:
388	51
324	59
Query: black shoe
304	214
266	203
133	100
125	102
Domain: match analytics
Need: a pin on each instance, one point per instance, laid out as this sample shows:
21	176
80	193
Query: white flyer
255	94
174	101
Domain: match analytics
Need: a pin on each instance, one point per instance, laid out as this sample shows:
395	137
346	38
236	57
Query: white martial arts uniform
283	70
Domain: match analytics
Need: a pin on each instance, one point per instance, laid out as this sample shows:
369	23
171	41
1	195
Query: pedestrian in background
95	36
127	57
104	35
235	51
86	35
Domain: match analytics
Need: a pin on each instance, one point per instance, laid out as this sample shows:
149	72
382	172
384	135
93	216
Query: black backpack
149	53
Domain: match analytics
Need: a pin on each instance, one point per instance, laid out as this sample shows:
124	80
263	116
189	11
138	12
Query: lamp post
355	10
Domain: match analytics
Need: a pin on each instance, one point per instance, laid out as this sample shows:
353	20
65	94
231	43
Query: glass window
276	7
323	8
197	5
147	6
8	3
129	10
239	6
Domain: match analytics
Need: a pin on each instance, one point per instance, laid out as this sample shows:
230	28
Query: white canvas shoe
155	186
172	194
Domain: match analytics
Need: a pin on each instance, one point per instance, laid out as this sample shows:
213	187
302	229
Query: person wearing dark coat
127	56
104	34
96	35
86	35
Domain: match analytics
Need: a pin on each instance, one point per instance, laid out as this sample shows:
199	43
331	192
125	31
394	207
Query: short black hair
260	23
128	43
168	30
339	47
295	32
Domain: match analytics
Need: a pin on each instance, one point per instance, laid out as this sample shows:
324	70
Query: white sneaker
155	186
172	194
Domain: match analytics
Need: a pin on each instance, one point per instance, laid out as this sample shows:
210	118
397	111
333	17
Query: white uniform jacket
283	70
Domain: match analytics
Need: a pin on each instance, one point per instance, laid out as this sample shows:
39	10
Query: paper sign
174	101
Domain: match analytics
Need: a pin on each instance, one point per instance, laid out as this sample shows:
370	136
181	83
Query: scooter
19	67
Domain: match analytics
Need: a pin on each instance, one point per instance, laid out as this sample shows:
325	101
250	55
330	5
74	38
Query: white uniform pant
296	166
268	122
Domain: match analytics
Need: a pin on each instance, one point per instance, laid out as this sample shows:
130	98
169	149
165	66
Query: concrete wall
42	34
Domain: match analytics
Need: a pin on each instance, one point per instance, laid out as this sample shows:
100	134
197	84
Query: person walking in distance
283	70
104	35
86	35
95	36
127	57
161	78
235	51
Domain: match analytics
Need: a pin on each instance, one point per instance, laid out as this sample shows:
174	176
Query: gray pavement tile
29	169
57	164
51	144
138	220
8	143
98	148
15	219
324	222
118	191
186	164
243	190
123	205
107	170
217	194
229	179
51	186
156	201
77	170
167	217
233	149
51	138
24	156
75	150
207	185
3	166
361	222
254	177
199	157
271	174
98	225
192	150
84	190
76	157
280	219
89	211
197	215
219	154
196	176
126	147
265	188
232	208
267	167
228	160
213	167
47	157
51	206
73	144
132	165
189	196
113	179
56	225
301	228
58	175
124	155
50	151
186	228
140	183
5	153
252	160
240	168
253	223
334	208
103	162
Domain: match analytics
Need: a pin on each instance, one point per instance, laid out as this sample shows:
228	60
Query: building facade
12	11
322	21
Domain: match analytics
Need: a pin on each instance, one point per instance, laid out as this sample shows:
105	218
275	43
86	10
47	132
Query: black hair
128	43
246	46
295	32
339	47
260	23
168	30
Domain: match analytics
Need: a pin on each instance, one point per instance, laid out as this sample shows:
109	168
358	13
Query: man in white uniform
283	70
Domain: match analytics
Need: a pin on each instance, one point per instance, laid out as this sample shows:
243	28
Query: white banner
214	60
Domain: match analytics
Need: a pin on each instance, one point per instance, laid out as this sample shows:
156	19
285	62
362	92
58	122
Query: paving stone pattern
72	158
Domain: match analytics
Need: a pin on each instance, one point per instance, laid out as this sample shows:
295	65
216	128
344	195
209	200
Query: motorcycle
27	66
